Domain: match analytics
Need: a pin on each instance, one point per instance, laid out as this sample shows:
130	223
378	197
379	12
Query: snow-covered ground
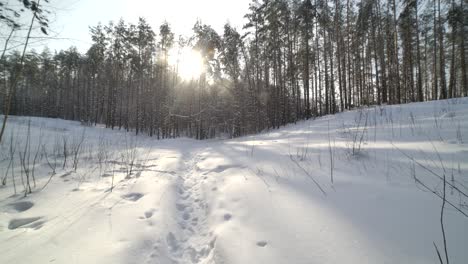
266	198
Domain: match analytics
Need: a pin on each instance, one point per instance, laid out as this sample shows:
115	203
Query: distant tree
441	31
207	42
165	45
231	52
307	14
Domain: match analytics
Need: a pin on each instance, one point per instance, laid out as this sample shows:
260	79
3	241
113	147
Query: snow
255	199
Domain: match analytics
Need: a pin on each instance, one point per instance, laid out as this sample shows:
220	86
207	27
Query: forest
292	60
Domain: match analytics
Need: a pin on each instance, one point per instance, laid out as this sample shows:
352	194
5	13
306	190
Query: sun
187	62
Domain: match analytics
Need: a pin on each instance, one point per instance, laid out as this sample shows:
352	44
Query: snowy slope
260	199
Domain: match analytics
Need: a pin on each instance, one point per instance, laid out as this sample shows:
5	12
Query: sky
71	19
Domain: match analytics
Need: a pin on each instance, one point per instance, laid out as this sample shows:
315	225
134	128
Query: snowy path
191	242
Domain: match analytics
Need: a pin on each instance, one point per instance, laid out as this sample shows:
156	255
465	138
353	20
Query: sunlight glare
187	61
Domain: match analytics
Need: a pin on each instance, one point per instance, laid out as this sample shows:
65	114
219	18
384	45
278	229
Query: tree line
292	60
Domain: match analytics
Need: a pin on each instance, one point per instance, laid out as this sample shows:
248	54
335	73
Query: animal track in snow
18	207
132	196
29	222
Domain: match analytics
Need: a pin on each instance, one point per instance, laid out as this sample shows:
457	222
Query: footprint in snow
149	214
66	174
227	217
262	243
18	207
30	222
171	242
222	168
132	196
186	216
181	207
